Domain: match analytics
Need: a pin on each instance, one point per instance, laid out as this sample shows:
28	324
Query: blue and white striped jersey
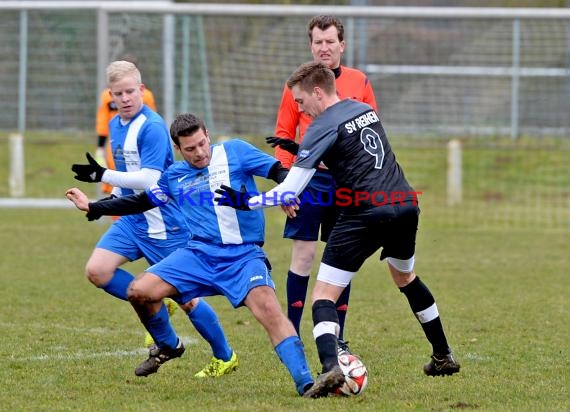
233	163
144	142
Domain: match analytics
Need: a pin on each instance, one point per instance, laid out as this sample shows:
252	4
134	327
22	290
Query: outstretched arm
120	206
93	172
79	199
285	193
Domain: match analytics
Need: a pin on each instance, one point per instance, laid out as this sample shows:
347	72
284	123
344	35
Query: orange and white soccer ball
355	375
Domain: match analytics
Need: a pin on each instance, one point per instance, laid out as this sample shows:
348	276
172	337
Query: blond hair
120	69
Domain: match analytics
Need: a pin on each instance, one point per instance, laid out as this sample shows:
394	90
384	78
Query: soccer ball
355	375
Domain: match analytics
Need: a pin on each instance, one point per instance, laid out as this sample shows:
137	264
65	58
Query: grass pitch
67	346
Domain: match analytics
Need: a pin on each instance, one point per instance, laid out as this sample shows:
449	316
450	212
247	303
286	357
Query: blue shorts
316	211
132	242
209	270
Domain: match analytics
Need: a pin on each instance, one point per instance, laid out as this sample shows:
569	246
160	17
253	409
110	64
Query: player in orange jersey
326	40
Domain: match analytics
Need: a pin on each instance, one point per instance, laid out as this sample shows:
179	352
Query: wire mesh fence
483	80
446	75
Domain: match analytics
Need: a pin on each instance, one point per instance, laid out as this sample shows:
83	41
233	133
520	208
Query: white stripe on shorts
334	276
428	314
404	266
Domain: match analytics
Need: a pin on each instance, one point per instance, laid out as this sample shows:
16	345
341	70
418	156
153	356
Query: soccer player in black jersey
380	212
314	220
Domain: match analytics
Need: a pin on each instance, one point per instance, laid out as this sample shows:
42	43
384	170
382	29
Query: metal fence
497	79
435	70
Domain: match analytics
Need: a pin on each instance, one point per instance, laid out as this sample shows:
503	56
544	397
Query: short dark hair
311	74
185	124
323	22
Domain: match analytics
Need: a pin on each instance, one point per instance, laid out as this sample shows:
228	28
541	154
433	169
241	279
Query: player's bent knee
303	256
190	305
263	302
97	277
402	271
136	294
403	279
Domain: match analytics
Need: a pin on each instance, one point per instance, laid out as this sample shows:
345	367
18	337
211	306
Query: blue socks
291	352
208	325
119	284
159	327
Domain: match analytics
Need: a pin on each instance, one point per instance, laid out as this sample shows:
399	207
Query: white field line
476	357
80	355
188	341
95	331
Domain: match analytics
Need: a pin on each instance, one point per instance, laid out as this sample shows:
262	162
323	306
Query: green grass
502	293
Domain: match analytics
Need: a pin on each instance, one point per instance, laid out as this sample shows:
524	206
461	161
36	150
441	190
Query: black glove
90	173
232	198
286	144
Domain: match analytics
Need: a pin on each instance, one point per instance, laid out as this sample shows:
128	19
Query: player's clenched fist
79	199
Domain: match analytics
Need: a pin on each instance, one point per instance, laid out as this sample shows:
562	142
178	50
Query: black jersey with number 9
349	138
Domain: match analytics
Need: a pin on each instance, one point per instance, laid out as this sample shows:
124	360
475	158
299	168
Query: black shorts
316	211
358	234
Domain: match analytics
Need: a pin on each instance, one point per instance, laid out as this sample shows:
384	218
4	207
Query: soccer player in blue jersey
223	255
380	212
142	151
